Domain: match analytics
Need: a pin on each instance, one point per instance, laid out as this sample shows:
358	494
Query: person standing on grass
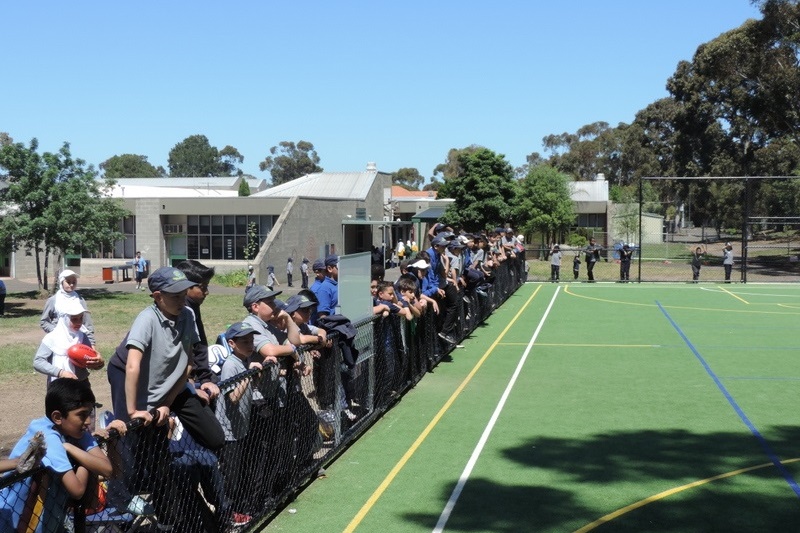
555	263
55	306
289	271
251	278
576	265
592	252
304	273
2	298
727	261
140	265
625	255
697	262
271	279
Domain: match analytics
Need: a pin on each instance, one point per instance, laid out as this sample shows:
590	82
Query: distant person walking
140	265
2	298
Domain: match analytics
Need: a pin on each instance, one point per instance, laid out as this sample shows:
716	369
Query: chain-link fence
282	426
772	256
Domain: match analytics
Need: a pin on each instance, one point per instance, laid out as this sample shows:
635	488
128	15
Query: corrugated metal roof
149	191
224	182
335	185
591	191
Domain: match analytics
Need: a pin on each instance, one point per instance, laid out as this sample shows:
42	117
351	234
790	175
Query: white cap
72	307
65	274
420	264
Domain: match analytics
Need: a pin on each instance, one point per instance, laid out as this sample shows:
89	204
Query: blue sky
397	83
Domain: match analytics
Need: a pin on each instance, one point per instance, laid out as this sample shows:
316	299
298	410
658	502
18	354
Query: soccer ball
217	354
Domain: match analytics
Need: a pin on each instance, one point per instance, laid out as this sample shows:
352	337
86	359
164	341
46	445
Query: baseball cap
318	264
72	307
439	240
455	245
239	329
279	304
421	263
258	293
332	260
169	279
66	274
298	301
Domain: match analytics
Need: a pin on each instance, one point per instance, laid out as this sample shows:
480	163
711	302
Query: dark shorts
139	276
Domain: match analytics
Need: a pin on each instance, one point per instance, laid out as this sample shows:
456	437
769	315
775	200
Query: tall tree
59	206
289	161
408	178
229	161
130	166
195	157
544	203
484	190
451	168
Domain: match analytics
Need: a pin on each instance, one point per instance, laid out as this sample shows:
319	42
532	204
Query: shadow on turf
661	459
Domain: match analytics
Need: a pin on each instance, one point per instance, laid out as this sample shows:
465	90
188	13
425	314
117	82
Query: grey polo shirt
165	346
234	417
271	385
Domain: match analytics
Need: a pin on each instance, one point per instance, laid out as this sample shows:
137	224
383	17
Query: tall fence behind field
296	426
762	257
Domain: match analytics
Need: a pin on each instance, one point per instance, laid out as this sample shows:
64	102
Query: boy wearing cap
148	374
251	278
299	308
304	273
233	413
445	293
328	293
260	303
149	370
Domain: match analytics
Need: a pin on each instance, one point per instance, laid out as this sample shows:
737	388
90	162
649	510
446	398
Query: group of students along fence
593	253
193	406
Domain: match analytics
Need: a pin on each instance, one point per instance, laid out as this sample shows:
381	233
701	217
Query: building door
176	249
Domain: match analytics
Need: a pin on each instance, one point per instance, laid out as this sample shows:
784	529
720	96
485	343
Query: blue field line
758	378
757	434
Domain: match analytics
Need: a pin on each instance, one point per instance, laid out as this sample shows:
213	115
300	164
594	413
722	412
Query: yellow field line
723	289
661	495
410	452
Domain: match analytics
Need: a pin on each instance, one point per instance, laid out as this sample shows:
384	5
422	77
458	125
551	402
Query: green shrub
237	278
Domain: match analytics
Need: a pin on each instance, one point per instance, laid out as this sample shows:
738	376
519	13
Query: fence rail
295	425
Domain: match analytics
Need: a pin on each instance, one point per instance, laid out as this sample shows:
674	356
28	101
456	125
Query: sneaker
33	454
140	507
240	519
447	338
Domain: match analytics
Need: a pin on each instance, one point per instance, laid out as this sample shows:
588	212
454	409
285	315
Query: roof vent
372	166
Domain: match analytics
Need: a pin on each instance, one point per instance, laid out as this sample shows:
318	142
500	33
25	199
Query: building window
124	248
223	236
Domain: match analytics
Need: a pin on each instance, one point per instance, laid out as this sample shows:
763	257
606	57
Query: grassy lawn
112	312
